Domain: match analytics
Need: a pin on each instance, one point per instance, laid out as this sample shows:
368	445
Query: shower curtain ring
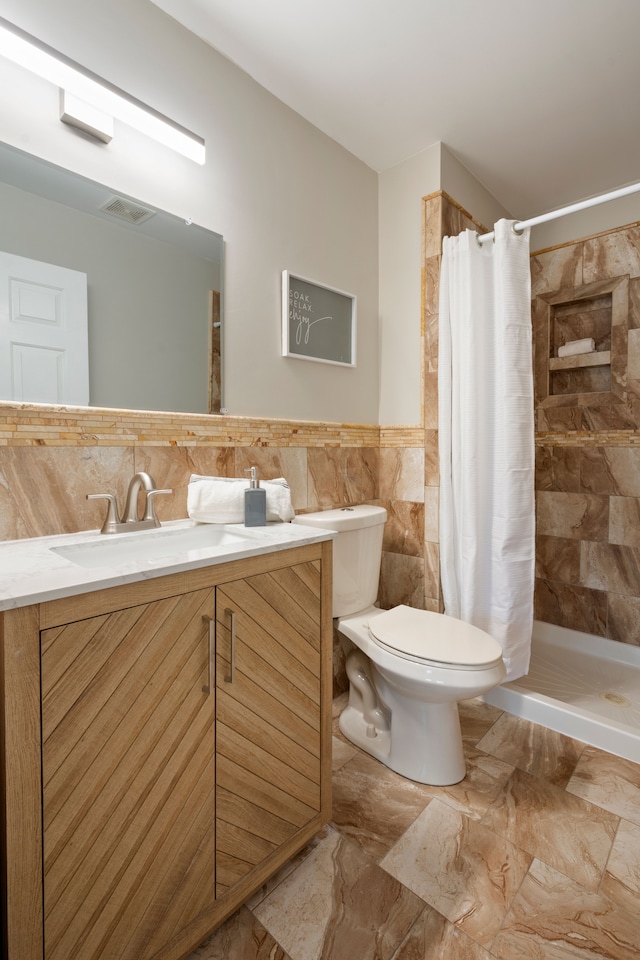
514	227
488	236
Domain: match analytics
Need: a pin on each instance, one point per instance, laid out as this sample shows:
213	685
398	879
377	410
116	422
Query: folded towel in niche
221	499
574	347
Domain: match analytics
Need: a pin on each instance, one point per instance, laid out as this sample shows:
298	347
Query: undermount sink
152	545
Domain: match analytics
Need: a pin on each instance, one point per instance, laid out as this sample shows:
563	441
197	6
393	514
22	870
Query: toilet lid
433	636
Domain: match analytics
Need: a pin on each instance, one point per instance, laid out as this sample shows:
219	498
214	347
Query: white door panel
43	332
38	373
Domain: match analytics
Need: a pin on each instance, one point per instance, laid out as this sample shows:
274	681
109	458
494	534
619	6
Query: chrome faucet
131	519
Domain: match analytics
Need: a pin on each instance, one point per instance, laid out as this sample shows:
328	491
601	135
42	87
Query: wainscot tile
576	515
401	474
558	469
171	468
404	529
558	558
402	581
614	471
623	618
624	521
605	566
43	490
568	605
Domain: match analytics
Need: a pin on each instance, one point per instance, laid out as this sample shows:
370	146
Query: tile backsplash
50	458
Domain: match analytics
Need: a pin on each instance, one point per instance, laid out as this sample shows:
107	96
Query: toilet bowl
407	668
420	664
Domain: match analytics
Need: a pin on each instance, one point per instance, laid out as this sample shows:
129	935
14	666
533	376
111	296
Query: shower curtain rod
573	208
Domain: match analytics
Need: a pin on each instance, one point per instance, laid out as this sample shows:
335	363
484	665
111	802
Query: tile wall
50	458
588	451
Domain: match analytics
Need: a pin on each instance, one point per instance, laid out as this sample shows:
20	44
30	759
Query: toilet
407	668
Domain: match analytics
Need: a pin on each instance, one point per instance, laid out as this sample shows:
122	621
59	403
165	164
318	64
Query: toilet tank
357	552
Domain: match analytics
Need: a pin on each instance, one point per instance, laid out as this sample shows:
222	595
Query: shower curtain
486	438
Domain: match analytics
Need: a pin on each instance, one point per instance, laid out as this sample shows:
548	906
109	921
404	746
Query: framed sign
318	322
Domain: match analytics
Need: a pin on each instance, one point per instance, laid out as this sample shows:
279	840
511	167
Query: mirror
153	284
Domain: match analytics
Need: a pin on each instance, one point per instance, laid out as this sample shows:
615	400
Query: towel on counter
574	347
221	499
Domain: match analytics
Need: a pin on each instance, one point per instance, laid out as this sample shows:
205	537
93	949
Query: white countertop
31	571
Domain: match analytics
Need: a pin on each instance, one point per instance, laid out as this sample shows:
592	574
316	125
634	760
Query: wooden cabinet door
128	778
267	715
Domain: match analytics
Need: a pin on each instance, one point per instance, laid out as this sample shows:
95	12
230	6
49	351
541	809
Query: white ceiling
537	98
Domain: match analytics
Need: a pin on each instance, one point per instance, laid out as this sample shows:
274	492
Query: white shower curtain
486	438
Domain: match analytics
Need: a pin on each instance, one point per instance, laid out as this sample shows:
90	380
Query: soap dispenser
255	502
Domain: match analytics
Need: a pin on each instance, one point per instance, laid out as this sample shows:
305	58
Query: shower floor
583	686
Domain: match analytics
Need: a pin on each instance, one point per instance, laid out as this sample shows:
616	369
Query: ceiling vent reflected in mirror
126	210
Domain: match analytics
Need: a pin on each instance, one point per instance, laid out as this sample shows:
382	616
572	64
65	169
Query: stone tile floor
535	855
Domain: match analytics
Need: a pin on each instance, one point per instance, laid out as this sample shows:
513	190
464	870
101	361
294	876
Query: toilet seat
433	638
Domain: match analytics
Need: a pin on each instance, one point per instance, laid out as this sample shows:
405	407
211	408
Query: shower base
583	686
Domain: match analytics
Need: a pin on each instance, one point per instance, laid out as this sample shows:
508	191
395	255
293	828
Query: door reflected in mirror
43	332
154	282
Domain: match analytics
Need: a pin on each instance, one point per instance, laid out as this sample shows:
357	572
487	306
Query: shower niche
597	311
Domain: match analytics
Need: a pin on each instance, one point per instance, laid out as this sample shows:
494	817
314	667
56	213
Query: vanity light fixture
84	116
105	98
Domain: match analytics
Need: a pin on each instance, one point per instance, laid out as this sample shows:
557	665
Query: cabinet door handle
232	656
208	687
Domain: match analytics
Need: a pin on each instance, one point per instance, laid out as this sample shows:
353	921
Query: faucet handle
149	508
111	519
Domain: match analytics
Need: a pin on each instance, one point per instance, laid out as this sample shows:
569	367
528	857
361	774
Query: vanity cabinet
166	747
128	771
268	700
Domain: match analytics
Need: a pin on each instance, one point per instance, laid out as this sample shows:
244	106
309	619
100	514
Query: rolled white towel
221	499
574	347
